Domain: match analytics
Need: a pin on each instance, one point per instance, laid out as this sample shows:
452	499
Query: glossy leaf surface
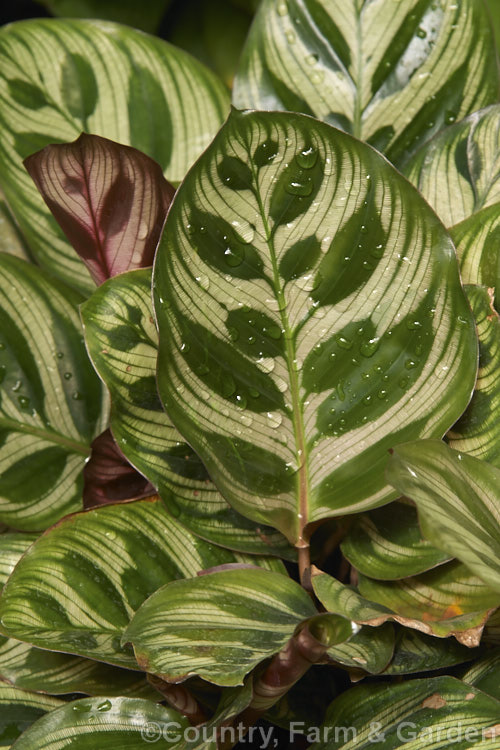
387	543
446	601
81	582
392	74
370	649
218	626
51	401
310	317
106	724
19	710
485	674
477	432
458	502
123	343
110	201
417	652
418	715
458	171
62	77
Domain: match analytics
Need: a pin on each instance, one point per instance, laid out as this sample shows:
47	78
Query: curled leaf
110	201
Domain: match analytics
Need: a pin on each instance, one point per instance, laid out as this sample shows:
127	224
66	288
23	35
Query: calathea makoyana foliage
232	341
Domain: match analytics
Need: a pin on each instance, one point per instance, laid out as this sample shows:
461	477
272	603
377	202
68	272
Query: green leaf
146	16
122	341
370	649
457	497
387	543
51	402
392	74
19	710
12	548
477	432
438	713
90	723
44	671
218	626
11	241
458	171
79	585
485	674
417	652
61	77
442	602
292	379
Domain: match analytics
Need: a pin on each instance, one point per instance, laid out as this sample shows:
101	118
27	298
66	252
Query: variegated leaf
458	501
390	73
436	712
369	649
61	77
417	652
106	723
19	709
219	626
11	241
446	601
310	316
387	543
110	201
79	585
51	401
477	432
458	171
485	674
122	341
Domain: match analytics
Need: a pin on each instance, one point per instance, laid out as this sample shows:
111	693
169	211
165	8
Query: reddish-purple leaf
110	200
109	478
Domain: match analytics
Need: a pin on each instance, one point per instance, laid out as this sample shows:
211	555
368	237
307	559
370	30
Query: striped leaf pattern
369	650
483	674
79	585
458	171
123	343
310	317
477	432
417	652
390	73
19	709
387	544
435	712
61	77
110	201
442	602
51	402
458	502
105	723
10	238
218	626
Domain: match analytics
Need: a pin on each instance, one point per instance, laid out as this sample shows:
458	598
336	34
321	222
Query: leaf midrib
297	406
51	437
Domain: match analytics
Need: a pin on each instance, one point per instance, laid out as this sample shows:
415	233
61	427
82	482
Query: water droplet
412	324
367	400
410	364
60	355
82	707
343	342
203	281
244	231
17	386
450	117
253	392
205	395
233	333
421	33
340	391
301	185
234	256
266	364
274	419
368	348
228	387
462	320
68	375
318	76
377	251
241	401
403	382
282	8
382	394
246	419
290	36
307	158
143	230
274	332
104	706
76	396
23	401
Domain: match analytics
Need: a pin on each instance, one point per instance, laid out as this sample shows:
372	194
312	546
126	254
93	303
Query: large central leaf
310	316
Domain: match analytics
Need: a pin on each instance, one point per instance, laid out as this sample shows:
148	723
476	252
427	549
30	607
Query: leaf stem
180	699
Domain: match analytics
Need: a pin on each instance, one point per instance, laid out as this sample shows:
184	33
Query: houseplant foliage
249	394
